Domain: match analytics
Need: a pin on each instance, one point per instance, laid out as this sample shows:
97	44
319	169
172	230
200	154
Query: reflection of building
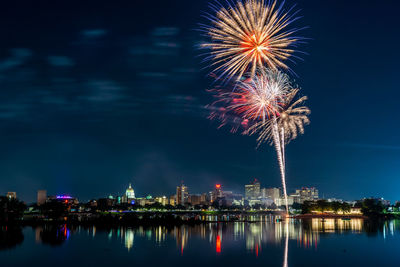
182	194
11	195
129	238
41	197
252	190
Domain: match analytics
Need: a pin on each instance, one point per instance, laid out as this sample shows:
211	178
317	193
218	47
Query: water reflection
255	234
10	237
53	235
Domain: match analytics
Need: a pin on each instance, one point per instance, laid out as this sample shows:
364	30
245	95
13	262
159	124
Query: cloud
103	91
60	61
94	33
17	58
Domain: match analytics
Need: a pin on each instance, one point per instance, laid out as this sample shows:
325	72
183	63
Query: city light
63	197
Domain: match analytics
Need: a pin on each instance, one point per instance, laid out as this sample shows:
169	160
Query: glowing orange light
218	246
218	186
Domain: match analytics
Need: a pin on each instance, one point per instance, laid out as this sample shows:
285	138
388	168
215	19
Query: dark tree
11	209
372	207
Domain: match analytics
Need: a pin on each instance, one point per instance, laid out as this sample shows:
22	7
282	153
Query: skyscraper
252	190
307	193
41	197
182	194
272	193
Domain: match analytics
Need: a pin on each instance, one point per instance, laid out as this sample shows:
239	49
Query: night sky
95	95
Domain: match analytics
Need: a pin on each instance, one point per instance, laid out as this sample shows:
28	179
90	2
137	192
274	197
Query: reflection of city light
129	238
285	258
218	246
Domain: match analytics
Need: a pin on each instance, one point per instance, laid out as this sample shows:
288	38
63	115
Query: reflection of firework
249	35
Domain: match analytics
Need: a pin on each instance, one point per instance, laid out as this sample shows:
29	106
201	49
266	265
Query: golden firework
248	36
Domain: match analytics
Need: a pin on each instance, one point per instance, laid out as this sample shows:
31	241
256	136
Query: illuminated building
272	193
11	195
172	200
63	199
252	190
307	194
130	193
281	201
231	198
162	200
41	197
204	199
195	199
218	191
182	194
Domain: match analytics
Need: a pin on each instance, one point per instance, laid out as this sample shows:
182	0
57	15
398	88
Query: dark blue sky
95	95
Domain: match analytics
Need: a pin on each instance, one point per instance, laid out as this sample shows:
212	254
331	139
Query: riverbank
329	216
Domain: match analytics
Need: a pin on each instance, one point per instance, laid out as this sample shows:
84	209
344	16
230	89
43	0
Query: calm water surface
266	242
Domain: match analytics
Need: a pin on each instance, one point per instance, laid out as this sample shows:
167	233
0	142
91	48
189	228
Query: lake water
267	242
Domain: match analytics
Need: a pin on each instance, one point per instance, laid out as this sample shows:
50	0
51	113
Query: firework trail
289	121
250	35
261	104
251	41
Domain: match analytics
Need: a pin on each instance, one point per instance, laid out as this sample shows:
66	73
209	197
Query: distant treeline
370	207
324	206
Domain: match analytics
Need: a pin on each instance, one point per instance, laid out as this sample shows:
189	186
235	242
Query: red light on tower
217	186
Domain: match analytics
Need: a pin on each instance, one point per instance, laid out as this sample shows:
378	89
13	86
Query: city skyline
115	98
183	194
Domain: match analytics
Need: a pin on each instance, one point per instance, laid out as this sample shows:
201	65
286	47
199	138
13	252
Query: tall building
41	197
272	193
172	200
204	198
162	200
307	194
195	199
182	194
130	193
252	190
11	195
218	191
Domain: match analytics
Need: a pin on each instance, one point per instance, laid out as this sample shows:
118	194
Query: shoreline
330	216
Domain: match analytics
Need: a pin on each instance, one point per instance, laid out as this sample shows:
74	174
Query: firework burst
287	123
290	121
252	101
250	35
